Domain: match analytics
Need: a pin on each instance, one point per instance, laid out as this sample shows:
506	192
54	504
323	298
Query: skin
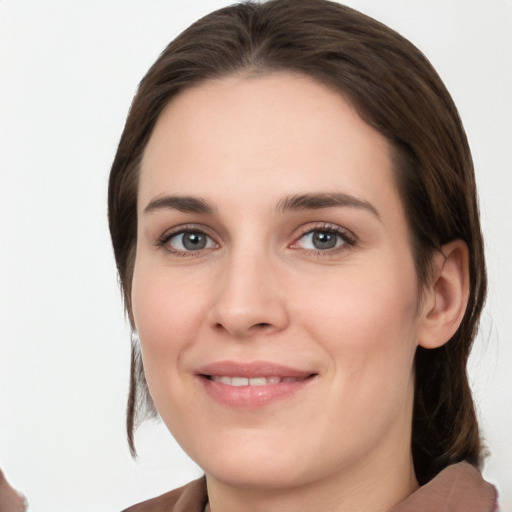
260	290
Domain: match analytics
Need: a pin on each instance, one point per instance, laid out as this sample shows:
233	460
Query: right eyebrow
187	204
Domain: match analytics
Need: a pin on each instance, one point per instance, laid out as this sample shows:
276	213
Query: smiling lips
255	381
251	385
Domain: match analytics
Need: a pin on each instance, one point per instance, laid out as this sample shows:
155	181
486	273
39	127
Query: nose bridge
248	297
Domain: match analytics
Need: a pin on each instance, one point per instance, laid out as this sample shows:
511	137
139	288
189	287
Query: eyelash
163	241
347	238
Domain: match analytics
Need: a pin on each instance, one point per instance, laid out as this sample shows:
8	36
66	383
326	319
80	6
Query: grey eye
321	240
190	241
193	241
324	240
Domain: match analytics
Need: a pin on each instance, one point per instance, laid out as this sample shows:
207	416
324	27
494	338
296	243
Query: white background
68	71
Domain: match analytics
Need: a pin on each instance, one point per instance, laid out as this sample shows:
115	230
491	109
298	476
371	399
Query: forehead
279	131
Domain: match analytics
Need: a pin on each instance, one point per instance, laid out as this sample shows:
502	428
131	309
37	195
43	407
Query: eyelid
163	240
348	237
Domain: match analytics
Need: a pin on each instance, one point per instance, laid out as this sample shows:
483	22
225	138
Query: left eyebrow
324	200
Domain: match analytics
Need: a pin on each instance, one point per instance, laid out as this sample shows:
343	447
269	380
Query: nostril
244	331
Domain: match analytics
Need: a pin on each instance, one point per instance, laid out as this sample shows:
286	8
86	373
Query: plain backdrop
68	71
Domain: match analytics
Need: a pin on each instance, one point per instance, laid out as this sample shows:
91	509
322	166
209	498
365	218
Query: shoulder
189	498
458	488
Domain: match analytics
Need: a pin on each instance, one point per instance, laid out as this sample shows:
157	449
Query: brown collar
458	488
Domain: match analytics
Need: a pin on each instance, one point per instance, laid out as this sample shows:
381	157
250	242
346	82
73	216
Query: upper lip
251	369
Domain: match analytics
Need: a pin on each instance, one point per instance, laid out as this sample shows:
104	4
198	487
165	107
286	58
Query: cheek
367	322
166	322
166	316
164	308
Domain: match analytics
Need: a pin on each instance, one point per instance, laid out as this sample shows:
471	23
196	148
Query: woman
294	219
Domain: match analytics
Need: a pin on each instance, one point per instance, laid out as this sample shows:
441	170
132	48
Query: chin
272	464
251	462
256	475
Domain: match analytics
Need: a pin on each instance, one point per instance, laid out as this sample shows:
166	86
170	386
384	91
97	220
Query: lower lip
252	397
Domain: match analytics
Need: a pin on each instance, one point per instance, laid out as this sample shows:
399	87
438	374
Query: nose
249	299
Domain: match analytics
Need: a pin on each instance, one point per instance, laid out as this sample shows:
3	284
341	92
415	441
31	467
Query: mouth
254	381
252	385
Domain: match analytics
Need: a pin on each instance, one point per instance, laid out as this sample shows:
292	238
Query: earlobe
446	299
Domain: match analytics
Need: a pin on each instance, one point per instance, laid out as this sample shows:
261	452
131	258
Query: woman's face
274	289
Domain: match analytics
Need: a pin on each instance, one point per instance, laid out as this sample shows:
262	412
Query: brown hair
396	90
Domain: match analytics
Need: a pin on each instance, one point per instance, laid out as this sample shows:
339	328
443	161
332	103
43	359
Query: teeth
239	381
258	381
255	381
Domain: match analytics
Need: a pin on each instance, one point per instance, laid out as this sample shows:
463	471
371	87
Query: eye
187	241
321	240
324	239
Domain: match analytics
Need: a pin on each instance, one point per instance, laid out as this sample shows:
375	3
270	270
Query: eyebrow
186	204
317	201
296	202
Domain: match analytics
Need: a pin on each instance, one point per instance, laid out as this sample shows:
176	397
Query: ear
446	299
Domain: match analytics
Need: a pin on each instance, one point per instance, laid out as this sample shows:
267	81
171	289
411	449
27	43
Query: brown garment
459	488
189	498
10	500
